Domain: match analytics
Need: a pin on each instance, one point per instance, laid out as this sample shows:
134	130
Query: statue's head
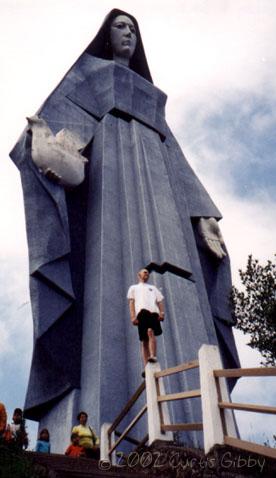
119	36
123	38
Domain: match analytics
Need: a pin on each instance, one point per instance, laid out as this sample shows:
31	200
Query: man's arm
131	303
161	310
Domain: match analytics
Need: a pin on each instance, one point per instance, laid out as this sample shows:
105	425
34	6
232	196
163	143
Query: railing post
209	360
154	420
105	445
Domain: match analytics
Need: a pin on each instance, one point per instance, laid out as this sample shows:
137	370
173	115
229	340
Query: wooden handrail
182	427
227	373
246	372
179	368
128	428
127	407
179	396
249	446
128	438
248	407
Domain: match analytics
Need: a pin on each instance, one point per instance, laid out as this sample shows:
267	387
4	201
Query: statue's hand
57	156
209	231
52	175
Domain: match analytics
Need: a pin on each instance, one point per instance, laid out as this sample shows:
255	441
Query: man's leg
145	351
151	343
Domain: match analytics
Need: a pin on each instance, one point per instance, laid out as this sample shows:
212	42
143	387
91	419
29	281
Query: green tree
254	307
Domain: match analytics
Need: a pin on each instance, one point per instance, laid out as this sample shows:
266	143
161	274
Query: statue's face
123	37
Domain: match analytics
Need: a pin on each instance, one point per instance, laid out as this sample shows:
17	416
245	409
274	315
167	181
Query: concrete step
62	466
162	460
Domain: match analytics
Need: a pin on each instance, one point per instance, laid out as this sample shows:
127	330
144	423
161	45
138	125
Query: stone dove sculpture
57	156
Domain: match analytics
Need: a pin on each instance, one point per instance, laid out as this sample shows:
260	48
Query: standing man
146	311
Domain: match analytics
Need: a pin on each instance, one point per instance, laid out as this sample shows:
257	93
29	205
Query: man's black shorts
148	320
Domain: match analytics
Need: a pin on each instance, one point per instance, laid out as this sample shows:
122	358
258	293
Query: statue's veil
100	45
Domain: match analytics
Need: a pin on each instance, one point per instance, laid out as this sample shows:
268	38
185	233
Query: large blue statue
140	205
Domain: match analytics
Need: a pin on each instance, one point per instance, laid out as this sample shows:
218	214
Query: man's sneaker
152	359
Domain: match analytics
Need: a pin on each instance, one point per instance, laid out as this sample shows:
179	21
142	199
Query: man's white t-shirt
146	296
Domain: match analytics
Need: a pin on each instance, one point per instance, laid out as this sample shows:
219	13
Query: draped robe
138	207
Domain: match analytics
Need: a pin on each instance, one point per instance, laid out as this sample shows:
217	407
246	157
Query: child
43	443
75	449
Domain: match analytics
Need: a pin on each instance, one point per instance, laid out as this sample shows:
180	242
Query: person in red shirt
75	449
3	419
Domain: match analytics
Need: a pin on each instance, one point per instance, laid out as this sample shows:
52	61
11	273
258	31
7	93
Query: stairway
61	466
169	461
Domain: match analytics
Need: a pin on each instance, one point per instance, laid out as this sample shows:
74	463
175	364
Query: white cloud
5	343
16	323
248	356
263	121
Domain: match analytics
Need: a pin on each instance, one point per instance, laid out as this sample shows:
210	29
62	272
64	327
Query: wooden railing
247	407
125	434
112	430
177	396
218	422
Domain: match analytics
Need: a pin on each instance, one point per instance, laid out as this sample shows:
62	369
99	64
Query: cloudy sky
216	60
